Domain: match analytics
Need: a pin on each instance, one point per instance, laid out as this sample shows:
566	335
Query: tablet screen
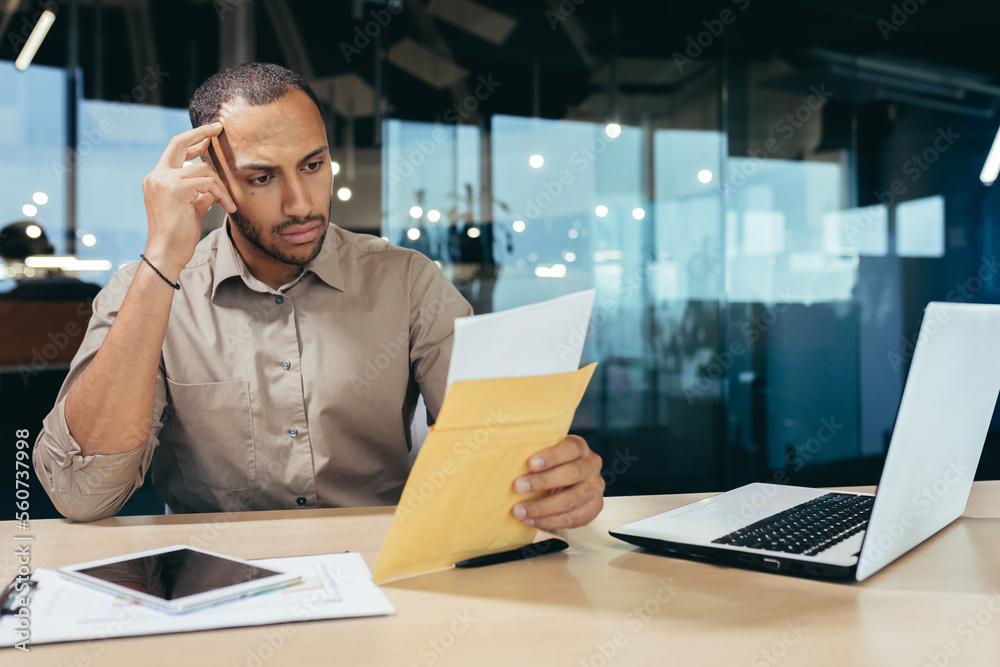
177	574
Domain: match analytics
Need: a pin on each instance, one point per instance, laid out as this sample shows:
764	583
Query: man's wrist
168	269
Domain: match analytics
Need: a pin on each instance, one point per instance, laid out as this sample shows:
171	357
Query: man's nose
296	202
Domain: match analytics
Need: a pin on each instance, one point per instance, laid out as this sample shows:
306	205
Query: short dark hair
256	83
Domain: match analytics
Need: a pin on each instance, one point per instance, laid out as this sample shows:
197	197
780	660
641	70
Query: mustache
293	222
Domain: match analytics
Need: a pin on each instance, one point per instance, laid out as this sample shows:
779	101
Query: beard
253	231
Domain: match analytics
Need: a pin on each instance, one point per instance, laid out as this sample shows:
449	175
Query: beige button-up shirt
272	399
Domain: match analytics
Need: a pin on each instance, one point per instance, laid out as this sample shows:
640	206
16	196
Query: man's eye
313	166
260	180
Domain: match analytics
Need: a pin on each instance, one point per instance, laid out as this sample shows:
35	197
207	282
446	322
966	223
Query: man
243	361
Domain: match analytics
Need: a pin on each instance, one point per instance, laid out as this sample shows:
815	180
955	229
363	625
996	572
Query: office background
764	193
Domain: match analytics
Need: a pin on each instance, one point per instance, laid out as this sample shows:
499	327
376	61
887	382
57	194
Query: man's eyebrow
318	151
259	166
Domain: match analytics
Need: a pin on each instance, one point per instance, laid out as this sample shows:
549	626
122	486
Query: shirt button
279	300
293	431
300	501
286	364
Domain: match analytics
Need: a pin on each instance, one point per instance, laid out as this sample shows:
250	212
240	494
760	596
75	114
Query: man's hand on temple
571	472
178	197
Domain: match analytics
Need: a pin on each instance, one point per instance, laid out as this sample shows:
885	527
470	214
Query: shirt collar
229	264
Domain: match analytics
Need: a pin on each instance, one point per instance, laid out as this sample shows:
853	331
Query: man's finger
213	186
578	516
204	168
196	170
569	449
566	474
203	203
580	462
199	171
175	153
197	150
558	503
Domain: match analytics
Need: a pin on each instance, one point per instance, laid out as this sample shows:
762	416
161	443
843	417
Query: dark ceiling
567	41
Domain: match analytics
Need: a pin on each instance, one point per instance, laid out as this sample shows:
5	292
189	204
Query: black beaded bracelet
176	285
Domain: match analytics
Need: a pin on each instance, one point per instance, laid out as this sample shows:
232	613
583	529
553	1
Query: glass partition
731	318
763	221
33	151
119	143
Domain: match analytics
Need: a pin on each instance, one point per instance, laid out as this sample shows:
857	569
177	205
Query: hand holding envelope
457	501
571	473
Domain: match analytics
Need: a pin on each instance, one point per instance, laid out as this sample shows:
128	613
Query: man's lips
299	235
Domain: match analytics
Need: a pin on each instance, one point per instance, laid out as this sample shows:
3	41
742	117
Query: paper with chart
332	586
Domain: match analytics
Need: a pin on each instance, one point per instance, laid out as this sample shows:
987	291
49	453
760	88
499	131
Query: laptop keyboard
806	529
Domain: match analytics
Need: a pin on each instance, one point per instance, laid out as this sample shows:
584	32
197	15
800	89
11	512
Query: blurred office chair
43	319
40	335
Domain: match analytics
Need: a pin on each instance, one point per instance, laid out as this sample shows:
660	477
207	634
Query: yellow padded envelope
457	500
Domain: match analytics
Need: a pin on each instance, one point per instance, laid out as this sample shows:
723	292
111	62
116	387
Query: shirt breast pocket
211	433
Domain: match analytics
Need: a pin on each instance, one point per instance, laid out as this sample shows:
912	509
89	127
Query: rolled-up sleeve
87	488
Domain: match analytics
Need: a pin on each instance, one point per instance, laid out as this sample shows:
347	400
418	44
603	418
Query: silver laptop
939	434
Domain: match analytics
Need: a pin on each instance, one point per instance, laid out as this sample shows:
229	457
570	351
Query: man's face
275	161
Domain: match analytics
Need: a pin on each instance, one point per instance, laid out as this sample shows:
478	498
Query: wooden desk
566	609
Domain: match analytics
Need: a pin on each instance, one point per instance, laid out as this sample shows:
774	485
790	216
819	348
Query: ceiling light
343	194
35	40
472	232
536	161
433	215
705	176
613	130
33	231
416	212
992	166
29	210
518	226
608	255
40	198
638	213
88	240
413	233
553	271
67	263
601	210
335	167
